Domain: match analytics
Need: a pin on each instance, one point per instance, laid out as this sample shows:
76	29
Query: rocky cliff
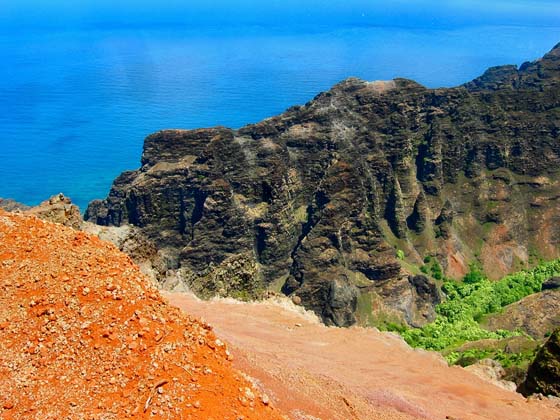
336	202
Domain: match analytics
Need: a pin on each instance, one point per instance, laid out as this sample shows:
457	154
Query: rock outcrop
493	372
129	239
323	197
58	209
544	373
12	205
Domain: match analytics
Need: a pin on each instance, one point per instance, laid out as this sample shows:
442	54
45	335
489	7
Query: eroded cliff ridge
337	201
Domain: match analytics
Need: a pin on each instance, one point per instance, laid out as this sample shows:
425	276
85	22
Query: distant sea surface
76	105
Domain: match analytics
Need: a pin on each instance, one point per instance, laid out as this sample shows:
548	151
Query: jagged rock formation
544	373
323	197
58	209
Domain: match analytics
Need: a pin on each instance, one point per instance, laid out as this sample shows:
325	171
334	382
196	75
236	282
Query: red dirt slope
312	371
84	336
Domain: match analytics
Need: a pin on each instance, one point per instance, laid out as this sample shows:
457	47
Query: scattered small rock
113	351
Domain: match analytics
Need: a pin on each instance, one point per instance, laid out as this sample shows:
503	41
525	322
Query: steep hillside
84	335
318	372
336	201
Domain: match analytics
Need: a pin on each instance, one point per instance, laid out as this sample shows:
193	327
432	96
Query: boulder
58	209
552	283
543	375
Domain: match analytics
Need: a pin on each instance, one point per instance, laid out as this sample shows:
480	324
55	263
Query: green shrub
437	272
467	302
475	275
507	360
432	267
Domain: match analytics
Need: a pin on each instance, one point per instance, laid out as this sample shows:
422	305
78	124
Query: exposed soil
84	336
312	371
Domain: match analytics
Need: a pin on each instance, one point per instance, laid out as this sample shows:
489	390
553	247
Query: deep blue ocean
76	103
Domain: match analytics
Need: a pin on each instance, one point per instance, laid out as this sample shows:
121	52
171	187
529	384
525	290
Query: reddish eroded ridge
83	335
316	372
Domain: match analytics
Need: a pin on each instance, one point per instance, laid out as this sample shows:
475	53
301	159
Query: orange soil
84	336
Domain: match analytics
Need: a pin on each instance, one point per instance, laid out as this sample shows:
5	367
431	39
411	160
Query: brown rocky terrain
11	205
336	202
316	372
84	335
537	315
58	209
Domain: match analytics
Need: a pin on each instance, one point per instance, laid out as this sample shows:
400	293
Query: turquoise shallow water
75	105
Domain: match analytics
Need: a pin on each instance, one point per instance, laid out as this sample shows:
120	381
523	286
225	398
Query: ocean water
76	103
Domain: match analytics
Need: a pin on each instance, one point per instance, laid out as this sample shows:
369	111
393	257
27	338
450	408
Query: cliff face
333	200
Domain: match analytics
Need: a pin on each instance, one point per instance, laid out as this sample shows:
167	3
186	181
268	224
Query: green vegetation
507	360
458	318
491	205
437	272
432	267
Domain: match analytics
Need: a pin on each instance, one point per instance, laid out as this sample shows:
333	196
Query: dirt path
312	371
